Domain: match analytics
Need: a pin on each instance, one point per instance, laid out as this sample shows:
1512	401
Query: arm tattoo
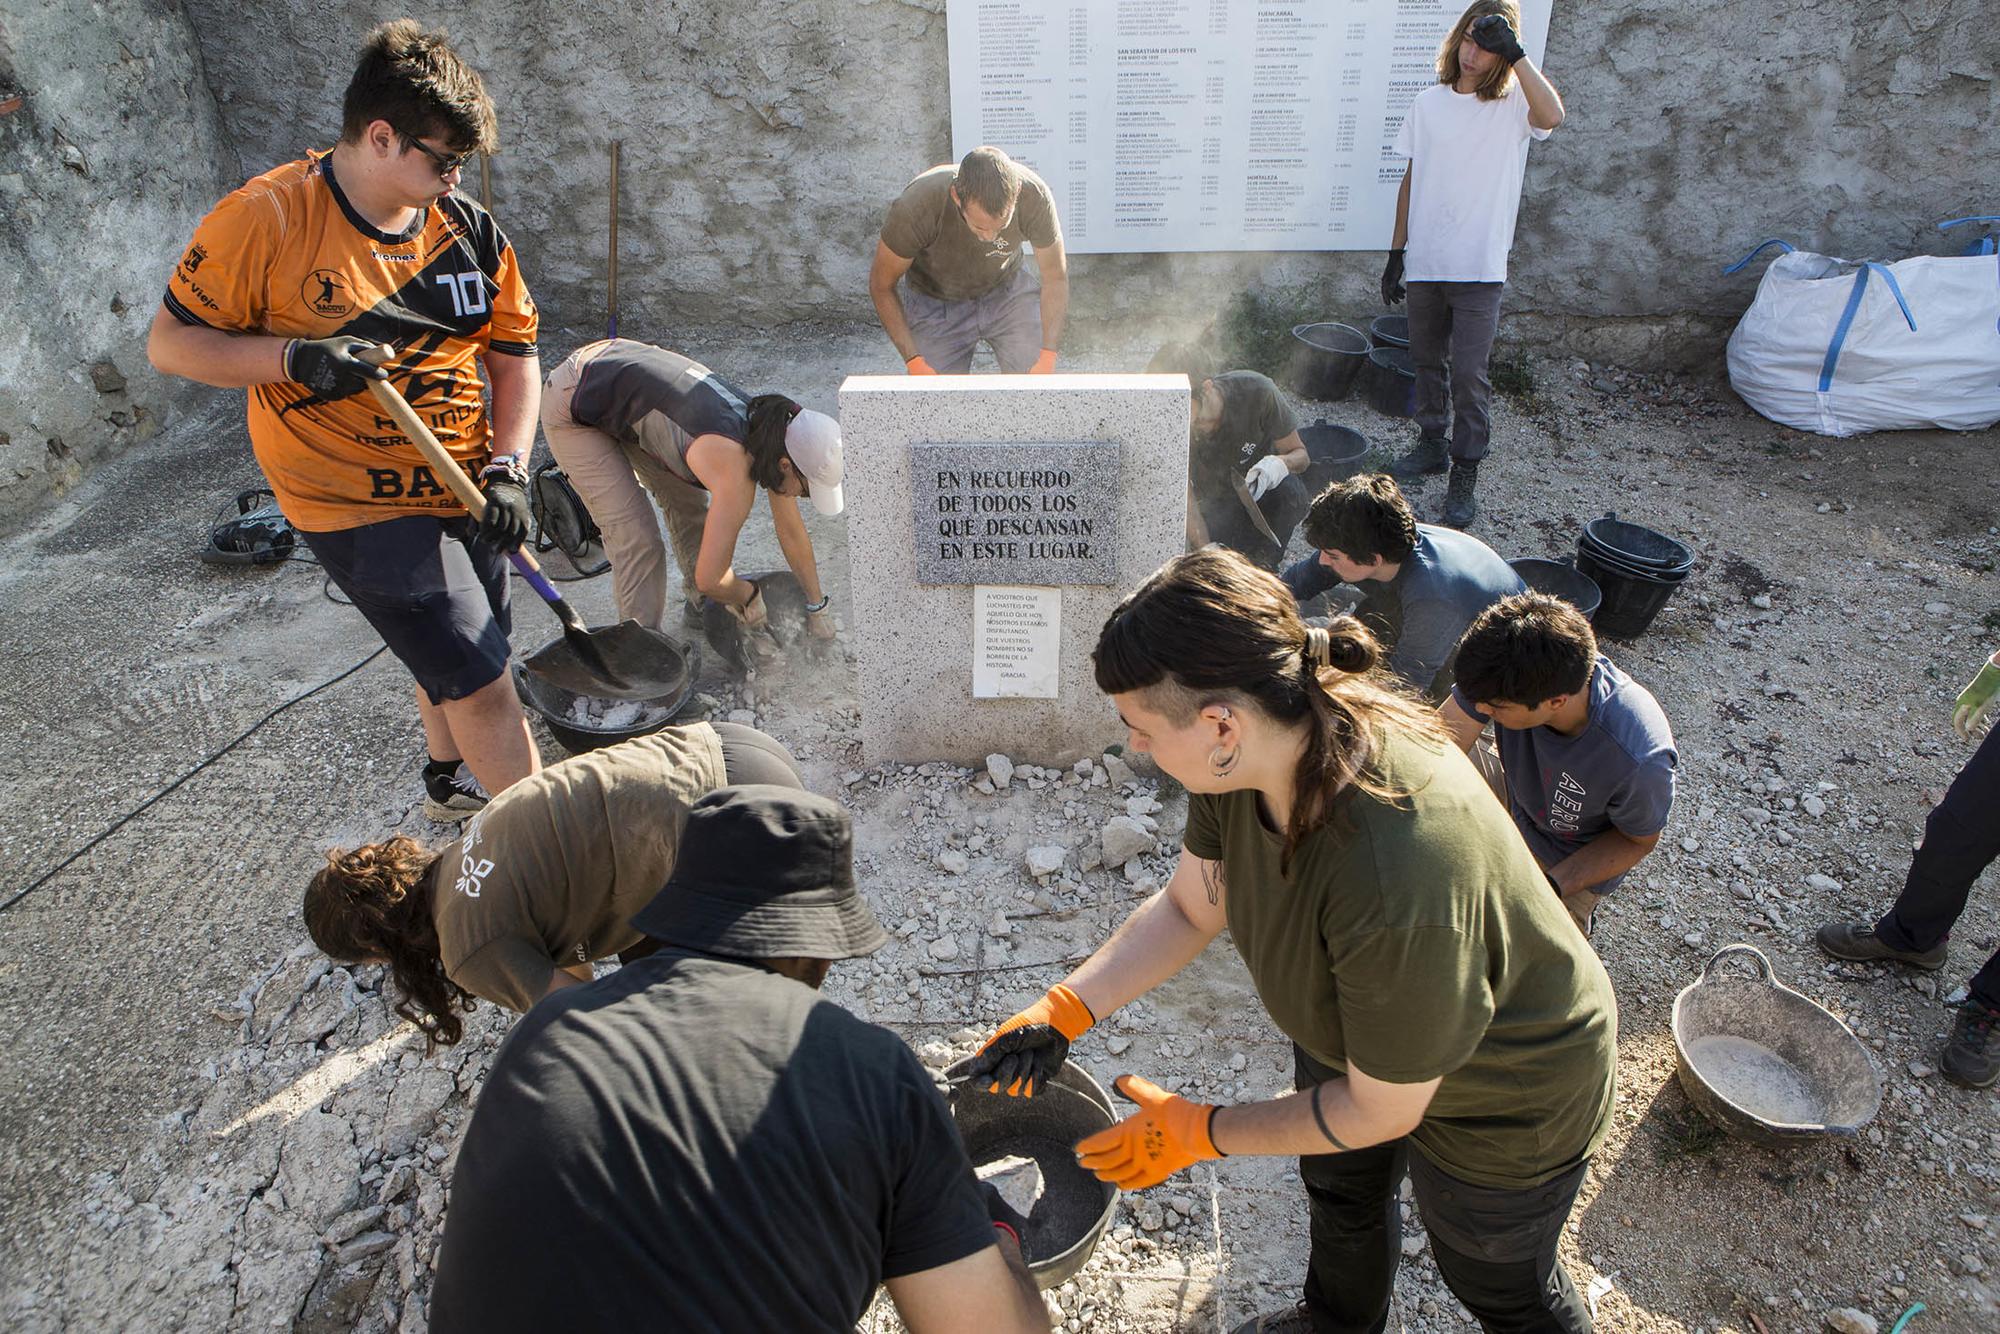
1324	1129
1211	880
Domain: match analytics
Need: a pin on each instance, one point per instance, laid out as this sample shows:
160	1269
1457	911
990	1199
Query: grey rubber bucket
1562	580
1766	1063
1075	1207
1325	359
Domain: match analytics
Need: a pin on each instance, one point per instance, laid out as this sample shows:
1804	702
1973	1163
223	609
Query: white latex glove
1978	702
1264	474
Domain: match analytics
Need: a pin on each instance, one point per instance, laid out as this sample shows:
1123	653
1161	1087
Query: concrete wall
763	139
111	154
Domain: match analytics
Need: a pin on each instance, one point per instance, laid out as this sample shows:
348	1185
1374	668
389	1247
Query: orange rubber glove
918	366
1166	1134
1028	1049
1044	364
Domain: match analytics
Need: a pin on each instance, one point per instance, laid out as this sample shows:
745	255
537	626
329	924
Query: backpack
563	521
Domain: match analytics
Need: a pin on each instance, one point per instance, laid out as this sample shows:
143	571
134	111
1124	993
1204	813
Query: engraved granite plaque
1034	514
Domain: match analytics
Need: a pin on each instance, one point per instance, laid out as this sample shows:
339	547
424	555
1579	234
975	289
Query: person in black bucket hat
701	1140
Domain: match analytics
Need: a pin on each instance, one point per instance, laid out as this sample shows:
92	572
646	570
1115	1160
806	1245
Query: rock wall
110	151
763	140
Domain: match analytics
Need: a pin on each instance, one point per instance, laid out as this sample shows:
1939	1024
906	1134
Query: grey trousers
1008	319
1451	340
609	476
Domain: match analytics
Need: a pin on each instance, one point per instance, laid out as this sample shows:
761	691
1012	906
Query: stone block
914	640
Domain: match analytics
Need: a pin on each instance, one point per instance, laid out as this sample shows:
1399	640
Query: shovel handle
454	477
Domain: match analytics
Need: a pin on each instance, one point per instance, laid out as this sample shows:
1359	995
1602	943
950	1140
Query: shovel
622	662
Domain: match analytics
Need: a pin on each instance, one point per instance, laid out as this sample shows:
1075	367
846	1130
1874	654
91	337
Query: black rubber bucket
1635	547
581	723
1336	452
1390	382
1325	360
1075	1206
1631	598
1562	580
1389	331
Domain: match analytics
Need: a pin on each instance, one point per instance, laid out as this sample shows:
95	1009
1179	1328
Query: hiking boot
1459	507
1972	1056
1294	1319
451	793
1422	459
1858	943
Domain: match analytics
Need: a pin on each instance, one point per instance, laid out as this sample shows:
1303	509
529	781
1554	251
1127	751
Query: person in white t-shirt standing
1467	141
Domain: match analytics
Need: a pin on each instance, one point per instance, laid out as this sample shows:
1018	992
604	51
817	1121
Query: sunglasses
446	163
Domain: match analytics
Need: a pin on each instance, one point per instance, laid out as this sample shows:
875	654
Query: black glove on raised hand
1494	33
1002	1212
505	524
1392	279
329	367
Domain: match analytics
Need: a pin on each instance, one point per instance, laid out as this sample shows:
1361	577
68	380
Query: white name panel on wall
1166	125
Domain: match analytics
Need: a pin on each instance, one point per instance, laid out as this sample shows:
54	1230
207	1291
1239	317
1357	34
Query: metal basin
1075	1206
1766	1063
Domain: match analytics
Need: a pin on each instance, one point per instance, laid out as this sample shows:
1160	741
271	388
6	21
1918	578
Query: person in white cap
620	413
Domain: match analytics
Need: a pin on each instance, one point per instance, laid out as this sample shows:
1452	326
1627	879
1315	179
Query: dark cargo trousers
1496	1249
1451	340
1961	839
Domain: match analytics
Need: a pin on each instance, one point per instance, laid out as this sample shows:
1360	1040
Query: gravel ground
204	1125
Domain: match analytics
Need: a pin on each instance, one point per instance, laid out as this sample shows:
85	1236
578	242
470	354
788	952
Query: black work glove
1000	1211
1392	279
505	524
329	367
1494	33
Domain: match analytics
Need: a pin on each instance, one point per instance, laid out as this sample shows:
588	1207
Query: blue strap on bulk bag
1985	245
1762	246
1847	316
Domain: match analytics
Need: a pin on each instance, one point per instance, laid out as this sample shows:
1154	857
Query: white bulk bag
1838	347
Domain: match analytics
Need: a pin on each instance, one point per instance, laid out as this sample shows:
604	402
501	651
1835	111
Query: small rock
363	1246
1692	938
953	861
1977	1222
1151	1216
998	926
1414	1246
1117	770
1000	769
1689	843
1918	1070
1761	601
1118	1044
1968	1265
1019	1181
983	786
1814	806
1937	609
106	377
743	717
1124	838
1825	884
944	948
1847	1320
1046	859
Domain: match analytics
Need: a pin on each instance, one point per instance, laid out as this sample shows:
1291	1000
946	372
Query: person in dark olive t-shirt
700	1142
1446	1016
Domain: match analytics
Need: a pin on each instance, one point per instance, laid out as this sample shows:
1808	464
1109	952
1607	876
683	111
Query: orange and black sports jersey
287	254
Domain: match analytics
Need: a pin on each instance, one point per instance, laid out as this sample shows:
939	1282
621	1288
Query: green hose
1906	1318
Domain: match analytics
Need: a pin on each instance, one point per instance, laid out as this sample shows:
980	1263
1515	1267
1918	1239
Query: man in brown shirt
957	232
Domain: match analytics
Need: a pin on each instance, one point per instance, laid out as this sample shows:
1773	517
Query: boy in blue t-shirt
1587	753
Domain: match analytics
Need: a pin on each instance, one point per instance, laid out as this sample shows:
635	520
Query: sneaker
1294	1319
1858	943
452	794
1459	507
1972	1056
1425	457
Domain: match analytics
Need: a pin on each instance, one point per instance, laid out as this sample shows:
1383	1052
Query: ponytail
770	416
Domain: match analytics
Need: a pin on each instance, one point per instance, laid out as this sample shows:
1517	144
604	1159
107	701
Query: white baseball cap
813	443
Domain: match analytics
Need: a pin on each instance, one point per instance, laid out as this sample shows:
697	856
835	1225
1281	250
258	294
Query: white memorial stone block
984	646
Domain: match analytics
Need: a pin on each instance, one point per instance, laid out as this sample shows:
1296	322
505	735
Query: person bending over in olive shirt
1445	1014
541	883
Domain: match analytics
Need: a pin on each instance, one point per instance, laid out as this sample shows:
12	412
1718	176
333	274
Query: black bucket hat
765	873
